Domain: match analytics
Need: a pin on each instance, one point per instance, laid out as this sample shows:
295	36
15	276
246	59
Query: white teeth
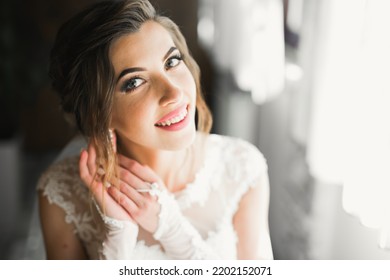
174	120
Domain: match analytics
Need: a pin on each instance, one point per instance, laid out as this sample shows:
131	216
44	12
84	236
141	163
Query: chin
182	141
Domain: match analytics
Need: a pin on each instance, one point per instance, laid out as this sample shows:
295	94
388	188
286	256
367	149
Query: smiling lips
174	118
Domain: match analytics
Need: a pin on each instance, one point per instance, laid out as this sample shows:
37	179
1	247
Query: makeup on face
154	105
175	120
132	83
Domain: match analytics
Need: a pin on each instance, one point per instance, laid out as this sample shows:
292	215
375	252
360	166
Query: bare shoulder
251	224
60	239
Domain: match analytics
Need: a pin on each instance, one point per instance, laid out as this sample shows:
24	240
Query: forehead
151	40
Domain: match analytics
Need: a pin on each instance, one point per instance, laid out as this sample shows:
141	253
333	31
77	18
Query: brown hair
83	75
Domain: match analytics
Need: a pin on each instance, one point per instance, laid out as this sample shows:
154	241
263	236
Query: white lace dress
230	168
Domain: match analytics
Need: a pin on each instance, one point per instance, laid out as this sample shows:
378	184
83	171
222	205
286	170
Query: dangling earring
112	138
111	133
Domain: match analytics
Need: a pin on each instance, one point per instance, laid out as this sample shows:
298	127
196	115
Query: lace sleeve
62	186
246	164
177	235
245	168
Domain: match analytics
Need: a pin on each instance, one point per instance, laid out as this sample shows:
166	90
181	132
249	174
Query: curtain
246	39
349	132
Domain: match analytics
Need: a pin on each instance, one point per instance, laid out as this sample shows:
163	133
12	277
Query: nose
169	90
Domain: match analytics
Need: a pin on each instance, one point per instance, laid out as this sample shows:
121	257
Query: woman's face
154	104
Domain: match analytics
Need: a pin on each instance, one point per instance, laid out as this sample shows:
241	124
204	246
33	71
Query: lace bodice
231	166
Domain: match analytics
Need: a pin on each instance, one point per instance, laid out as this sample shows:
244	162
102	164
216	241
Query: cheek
128	113
193	86
121	113
190	83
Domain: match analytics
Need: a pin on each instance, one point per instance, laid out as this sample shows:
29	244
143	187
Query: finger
144	173
132	193
135	183
137	186
100	193
91	163
83	168
131	179
123	200
85	173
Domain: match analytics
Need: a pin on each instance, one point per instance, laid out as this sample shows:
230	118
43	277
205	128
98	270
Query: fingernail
107	185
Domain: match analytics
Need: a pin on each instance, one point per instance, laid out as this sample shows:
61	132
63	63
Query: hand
122	201
141	206
88	170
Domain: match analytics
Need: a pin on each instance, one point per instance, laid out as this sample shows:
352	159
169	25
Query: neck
168	165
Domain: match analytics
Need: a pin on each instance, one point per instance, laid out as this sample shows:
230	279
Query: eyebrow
139	69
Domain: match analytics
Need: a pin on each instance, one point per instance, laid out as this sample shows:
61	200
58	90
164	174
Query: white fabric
178	237
205	208
258	64
119	242
347	84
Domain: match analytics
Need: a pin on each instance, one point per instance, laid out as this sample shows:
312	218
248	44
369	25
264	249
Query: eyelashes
173	61
134	82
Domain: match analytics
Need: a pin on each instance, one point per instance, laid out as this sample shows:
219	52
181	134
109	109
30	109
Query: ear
112	133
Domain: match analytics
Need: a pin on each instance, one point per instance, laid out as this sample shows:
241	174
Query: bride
150	181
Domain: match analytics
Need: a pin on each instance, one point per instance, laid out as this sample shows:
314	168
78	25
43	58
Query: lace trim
112	223
254	168
226	159
173	227
167	204
245	165
216	239
59	184
198	190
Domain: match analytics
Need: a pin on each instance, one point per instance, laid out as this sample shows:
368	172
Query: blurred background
305	81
